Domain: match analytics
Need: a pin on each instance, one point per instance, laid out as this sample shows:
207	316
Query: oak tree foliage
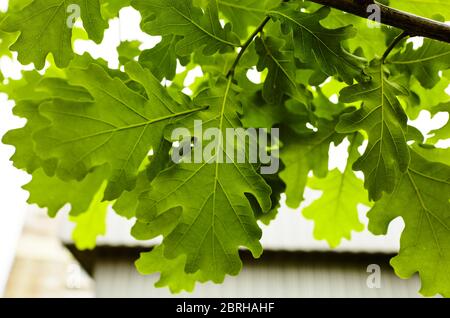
98	138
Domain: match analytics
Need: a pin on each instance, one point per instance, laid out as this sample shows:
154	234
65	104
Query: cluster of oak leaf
97	137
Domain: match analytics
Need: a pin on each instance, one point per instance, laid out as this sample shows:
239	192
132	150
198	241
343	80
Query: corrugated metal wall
288	232
277	274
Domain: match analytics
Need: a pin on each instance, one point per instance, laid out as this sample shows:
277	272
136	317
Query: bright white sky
12	201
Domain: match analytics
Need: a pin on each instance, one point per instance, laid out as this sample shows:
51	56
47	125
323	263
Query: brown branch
412	24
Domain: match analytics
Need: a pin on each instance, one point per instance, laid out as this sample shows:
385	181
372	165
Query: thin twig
394	43
247	44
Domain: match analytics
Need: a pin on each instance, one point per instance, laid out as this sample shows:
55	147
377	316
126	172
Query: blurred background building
42	266
293	265
47	264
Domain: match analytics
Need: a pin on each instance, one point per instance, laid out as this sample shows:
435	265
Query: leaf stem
394	43
247	44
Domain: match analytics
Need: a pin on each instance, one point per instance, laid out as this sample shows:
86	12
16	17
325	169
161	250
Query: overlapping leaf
200	30
370	39
24	156
6	39
127	203
384	120
217	220
110	8
421	98
172	270
45	27
432	153
315	44
34	90
422	199
245	14
119	128
172	273
91	224
443	132
423	8
162	59
335	213
302	154
425	62
53	193
128	51
280	79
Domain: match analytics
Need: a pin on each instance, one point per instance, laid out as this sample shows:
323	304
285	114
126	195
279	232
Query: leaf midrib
199	27
133	126
426	59
269	53
428	213
216	173
315	36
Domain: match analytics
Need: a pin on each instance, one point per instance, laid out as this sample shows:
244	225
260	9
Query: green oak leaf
385	122
127	203
414	134
128	51
24	88
245	15
55	87
53	193
424	8
161	60
432	153
278	188
110	8
425	62
96	137
199	29
24	156
335	213
219	219
6	39
295	173
302	154
159	226
119	128
216	64
421	98
44	28
315	44
91	223
443	132
257	113
422	199
280	79
371	39
172	270
38	90
308	74
324	108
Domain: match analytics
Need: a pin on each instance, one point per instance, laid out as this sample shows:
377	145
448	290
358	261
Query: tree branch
414	25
